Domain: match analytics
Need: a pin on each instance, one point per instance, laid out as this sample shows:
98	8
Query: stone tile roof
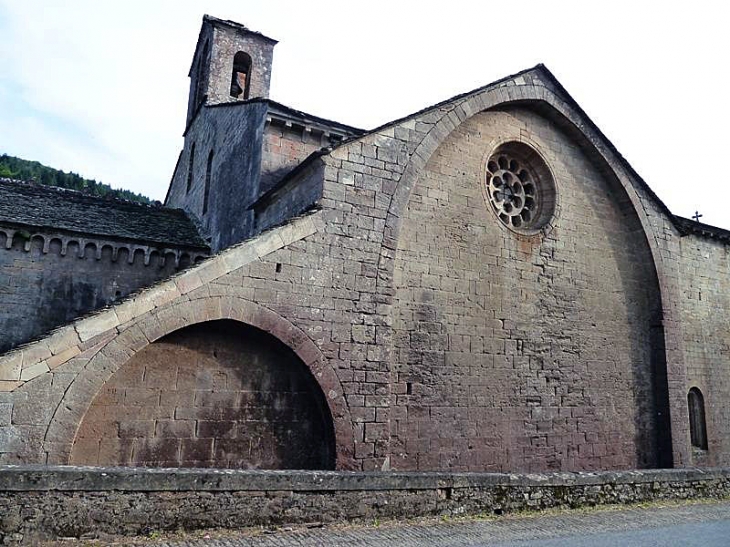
238	26
689	226
293	114
36	205
306	118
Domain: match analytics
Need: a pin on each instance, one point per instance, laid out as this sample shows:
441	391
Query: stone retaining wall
39	502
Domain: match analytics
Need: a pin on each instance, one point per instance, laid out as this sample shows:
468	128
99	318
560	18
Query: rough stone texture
255	145
522	352
64	254
283	149
215	395
234	135
61	276
228	39
255	142
290	137
212	68
156	312
29	204
439	338
38	503
705	305
299	192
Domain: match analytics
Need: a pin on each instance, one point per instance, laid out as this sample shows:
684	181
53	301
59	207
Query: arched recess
551	107
217	394
163	321
241	75
573	122
697	422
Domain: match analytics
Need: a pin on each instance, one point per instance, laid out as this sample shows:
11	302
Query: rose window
519	187
511	191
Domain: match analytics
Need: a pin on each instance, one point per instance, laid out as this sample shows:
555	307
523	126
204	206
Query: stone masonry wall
215	395
366	197
281	273
300	193
328	286
46	503
285	147
48	279
705	312
234	135
212	66
250	156
226	42
522	353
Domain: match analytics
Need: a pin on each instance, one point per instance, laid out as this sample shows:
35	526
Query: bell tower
231	63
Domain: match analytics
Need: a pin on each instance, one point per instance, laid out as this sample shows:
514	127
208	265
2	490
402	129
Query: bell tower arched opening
241	76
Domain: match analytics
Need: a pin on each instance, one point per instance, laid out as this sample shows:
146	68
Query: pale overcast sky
101	87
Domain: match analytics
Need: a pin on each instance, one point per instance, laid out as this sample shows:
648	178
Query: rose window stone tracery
511	191
519	188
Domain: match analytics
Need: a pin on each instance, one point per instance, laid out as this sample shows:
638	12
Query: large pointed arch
553	103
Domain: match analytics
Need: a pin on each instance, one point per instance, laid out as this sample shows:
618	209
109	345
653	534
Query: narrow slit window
241	76
697	425
191	161
202	74
206	192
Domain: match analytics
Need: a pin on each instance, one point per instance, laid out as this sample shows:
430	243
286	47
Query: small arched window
206	193
241	76
191	161
697	426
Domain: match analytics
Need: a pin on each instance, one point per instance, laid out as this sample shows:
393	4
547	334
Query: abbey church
484	285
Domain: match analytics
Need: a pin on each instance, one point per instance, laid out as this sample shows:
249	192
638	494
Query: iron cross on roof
697	216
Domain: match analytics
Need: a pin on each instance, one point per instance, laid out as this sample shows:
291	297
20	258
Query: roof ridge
457	97
295	111
30	203
700	228
156	204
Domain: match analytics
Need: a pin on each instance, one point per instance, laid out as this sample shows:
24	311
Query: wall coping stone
27	478
62	344
40	503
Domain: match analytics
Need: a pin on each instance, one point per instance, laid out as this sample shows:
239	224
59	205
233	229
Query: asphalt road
703	524
713	534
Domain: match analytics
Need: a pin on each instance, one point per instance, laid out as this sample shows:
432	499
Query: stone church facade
485	285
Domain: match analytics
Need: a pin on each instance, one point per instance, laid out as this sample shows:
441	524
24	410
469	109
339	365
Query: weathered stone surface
64	282
73	501
219	395
440	338
10	367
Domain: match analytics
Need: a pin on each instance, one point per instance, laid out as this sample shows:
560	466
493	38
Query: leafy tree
17	168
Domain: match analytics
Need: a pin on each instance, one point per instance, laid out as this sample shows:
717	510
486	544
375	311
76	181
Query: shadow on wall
220	394
523	351
62	278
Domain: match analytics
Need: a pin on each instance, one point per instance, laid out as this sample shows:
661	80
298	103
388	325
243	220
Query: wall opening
206	193
219	394
191	161
697	425
241	75
201	77
663	429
